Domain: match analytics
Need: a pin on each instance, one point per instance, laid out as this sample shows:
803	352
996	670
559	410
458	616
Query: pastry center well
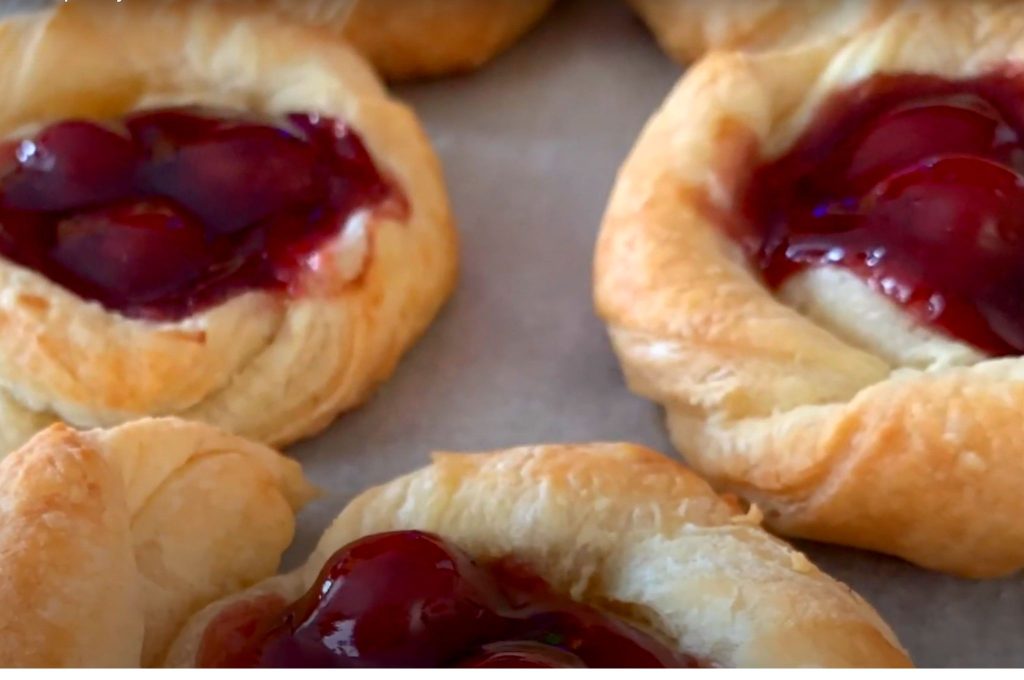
166	212
914	184
411	599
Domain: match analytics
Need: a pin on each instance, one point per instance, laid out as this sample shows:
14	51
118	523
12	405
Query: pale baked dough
622	527
110	539
889	437
686	29
272	366
416	38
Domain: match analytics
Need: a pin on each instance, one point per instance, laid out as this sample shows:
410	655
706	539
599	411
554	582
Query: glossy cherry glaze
915	184
165	212
409	599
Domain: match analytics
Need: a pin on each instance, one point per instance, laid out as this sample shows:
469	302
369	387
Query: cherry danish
409	599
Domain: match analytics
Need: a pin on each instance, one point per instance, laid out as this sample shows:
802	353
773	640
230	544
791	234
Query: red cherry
355	180
186	209
145	249
402	599
408	599
160	131
236	177
25	238
924	200
329	133
524	654
599	640
68	166
953	203
910	135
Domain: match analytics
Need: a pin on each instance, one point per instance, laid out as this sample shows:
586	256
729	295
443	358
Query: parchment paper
531	145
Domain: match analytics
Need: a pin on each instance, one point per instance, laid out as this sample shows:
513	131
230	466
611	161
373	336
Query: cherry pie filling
166	212
916	185
411	599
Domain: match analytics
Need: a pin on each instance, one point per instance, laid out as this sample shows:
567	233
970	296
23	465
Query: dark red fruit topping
916	184
166	212
522	655
408	599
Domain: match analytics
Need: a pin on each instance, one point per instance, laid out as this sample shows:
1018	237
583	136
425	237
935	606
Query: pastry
812	260
407	39
218	218
110	539
569	555
686	29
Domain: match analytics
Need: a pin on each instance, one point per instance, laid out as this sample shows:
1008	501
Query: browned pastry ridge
615	525
110	539
885	436
271	365
686	29
407	39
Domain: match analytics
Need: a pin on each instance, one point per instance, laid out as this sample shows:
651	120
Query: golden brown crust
65	551
110	539
271	366
686	29
618	526
833	436
407	39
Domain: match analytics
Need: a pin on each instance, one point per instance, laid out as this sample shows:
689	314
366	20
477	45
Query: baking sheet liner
531	146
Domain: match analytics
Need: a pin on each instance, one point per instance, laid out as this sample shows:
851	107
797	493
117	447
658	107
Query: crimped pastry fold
110	539
884	434
622	527
268	364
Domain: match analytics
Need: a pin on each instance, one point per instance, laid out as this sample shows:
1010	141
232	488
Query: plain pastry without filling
415	38
861	392
222	218
110	539
613	527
